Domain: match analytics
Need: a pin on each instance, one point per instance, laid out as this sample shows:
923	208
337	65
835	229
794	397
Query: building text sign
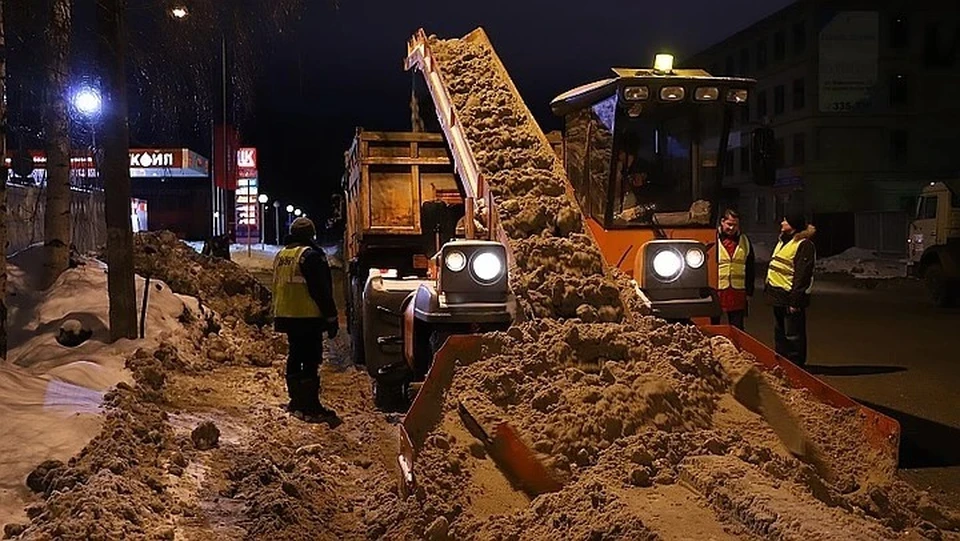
849	50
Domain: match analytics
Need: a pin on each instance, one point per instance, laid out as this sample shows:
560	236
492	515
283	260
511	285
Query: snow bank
260	257
50	395
861	263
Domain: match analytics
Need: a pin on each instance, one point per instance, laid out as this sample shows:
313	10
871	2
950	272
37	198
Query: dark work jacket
803	264
316	271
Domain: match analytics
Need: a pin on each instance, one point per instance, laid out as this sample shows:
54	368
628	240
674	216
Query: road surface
890	349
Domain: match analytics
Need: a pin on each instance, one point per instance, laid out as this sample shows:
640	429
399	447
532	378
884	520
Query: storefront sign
155	158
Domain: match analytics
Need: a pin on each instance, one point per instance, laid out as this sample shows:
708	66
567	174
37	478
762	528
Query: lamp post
219	204
263	199
276	216
88	102
289	215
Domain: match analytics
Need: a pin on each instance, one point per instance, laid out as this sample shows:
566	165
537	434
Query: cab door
924	230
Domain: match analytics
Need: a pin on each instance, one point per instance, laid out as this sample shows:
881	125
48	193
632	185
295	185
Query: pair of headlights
668	263
486	267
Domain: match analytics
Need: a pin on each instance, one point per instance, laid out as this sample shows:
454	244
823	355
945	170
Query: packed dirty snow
861	263
50	395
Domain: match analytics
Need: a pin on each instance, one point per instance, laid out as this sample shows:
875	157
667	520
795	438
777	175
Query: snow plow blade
500	440
883	432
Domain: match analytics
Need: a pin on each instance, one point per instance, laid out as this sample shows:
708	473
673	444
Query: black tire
355	323
942	291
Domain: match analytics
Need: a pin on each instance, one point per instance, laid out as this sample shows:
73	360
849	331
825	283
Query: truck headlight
455	261
667	264
487	267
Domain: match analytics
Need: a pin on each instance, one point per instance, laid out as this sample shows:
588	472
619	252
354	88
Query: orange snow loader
643	154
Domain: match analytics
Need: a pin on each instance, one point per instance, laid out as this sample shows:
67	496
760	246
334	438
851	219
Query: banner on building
849	45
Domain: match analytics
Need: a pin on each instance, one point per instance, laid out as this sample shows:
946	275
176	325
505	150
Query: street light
297	212
180	12
88	102
276	216
262	199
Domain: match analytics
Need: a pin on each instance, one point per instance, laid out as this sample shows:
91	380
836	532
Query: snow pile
861	263
222	285
50	395
637	424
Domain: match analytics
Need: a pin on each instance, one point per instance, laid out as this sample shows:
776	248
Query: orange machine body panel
621	247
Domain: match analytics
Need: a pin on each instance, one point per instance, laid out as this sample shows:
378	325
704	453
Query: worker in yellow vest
735	265
303	309
788	286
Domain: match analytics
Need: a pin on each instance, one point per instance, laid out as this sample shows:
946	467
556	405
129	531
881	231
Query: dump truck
933	242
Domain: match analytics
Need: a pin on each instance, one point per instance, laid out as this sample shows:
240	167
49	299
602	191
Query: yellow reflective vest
781	270
732	271
291	298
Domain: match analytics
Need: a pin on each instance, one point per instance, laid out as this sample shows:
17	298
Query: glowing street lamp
179	12
289	208
297	212
88	102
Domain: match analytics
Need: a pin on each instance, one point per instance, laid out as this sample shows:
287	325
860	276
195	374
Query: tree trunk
3	189
116	169
56	220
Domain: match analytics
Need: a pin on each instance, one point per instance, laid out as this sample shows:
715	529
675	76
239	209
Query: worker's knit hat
302	229
795	217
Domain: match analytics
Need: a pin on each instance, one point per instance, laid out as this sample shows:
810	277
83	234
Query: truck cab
933	241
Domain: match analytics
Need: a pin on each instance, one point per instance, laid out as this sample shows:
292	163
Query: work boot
295	392
313	411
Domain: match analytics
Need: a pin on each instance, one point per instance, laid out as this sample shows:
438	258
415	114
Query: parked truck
933	242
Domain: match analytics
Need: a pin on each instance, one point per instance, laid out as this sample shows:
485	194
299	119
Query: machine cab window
646	148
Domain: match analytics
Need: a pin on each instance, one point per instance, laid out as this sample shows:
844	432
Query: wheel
942	291
390	397
355	323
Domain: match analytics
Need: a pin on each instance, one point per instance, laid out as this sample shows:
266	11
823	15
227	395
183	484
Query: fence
25	211
884	232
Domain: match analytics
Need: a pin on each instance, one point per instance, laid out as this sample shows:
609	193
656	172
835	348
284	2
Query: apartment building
864	99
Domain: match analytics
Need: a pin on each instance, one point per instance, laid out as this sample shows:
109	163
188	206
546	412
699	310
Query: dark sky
352	72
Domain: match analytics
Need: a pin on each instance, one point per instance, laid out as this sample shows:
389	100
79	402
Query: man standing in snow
303	309
736	269
789	281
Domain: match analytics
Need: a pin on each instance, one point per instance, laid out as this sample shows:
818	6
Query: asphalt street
892	350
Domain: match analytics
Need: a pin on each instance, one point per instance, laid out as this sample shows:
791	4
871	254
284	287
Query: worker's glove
332	328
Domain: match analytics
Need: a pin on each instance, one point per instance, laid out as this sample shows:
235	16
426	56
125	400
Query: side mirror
763	153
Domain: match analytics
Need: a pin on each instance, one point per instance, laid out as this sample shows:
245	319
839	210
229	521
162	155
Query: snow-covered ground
861	263
50	395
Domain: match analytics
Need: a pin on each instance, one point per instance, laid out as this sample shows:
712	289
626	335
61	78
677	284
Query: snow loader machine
643	158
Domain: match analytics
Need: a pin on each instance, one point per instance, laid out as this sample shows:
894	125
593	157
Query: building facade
863	100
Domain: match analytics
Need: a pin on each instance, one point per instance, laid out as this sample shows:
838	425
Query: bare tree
3	188
111	30
56	221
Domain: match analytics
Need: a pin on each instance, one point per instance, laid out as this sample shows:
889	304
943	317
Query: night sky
352	72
